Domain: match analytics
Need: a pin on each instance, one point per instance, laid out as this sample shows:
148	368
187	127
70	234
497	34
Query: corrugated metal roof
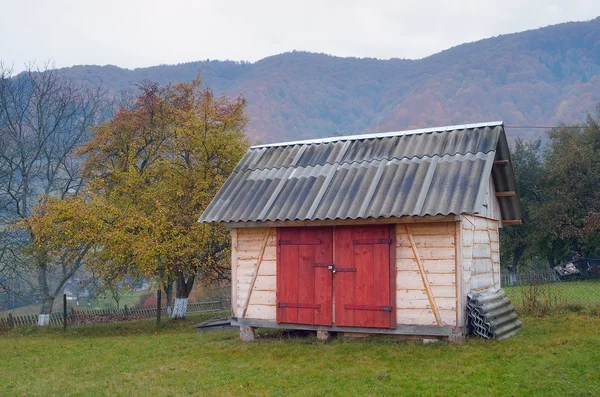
424	172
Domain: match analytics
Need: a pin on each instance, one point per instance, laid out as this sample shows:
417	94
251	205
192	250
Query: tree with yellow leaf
155	166
151	170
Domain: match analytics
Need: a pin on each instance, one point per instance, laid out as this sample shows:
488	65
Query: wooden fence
75	317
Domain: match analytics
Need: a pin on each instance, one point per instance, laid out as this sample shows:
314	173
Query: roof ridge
389	159
382	134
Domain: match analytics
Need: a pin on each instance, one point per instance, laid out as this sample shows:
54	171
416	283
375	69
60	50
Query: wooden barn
382	233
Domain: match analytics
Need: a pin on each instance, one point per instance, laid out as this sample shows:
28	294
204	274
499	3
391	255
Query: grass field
552	356
571	295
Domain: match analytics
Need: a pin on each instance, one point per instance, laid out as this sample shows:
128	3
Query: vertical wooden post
234	255
11	320
158	306
460	298
64	312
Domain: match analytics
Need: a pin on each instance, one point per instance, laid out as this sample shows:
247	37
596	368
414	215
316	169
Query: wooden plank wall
436	246
255	248
480	253
491	208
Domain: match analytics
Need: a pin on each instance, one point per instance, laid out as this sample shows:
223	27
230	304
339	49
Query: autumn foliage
151	170
560	193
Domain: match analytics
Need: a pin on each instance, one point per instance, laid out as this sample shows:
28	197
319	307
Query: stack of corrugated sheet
491	315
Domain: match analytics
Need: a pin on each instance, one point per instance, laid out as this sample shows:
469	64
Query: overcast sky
137	33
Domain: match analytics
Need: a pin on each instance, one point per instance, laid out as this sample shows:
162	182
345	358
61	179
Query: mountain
539	77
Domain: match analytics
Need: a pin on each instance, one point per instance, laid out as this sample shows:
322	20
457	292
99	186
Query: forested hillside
540	77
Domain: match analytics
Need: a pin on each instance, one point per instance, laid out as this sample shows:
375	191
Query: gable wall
491	208
480	253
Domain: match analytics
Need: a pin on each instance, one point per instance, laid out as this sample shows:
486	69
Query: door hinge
298	306
327	265
373	241
369	307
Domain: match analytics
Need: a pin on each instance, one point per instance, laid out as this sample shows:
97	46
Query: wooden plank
251	234
435	229
416	317
270	253
424	277
356	222
392	272
481	236
323	278
426	253
263	298
482	250
401	329
481	265
423	303
263	312
247	263
260	257
425	241
249	254
306	275
448	316
447	279
443	266
363	262
425	317
500	162
409	280
479	281
411	294
460	298
443	291
287	275
268	268
406	265
246	273
381	278
344	282
509	193
251	245
512	222
265	283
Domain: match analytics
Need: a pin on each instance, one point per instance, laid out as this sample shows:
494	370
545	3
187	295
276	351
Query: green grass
557	297
552	356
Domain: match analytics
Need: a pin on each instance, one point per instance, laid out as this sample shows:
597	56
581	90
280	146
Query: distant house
379	233
71	289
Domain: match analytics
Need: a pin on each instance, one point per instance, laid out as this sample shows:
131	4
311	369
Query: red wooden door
363	279
304	279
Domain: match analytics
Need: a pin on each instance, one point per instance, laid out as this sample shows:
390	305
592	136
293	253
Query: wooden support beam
512	222
426	330
434	309
346	222
501	162
509	193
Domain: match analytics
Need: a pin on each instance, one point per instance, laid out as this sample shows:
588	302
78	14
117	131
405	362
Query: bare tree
43	119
